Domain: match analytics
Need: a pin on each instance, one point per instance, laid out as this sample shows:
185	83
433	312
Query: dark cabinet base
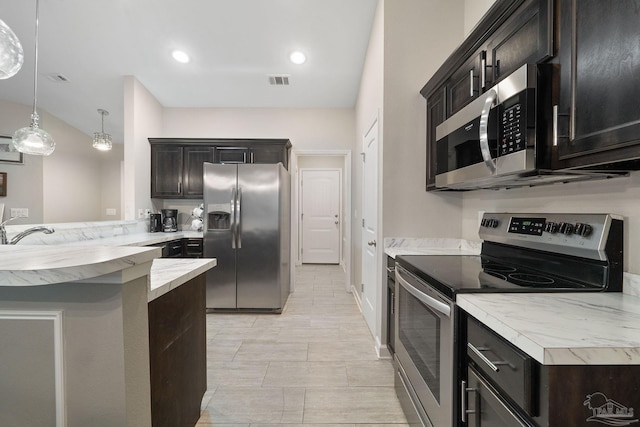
177	351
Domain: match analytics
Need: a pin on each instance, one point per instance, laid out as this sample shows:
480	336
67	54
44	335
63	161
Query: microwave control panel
512	130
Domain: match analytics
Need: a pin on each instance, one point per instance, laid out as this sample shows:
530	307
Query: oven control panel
583	235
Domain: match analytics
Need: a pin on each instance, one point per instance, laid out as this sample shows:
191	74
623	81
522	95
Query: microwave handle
484	135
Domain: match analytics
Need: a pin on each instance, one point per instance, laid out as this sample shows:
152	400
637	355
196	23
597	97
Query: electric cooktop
531	253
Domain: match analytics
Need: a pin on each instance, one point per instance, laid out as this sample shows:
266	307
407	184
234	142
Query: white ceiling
234	45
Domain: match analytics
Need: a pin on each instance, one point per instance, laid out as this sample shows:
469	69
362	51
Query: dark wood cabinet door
464	85
269	154
194	158
599	119
435	116
526	38
166	171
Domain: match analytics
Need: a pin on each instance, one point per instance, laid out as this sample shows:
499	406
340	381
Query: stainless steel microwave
504	138
492	137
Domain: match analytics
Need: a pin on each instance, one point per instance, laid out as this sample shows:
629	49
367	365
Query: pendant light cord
35	67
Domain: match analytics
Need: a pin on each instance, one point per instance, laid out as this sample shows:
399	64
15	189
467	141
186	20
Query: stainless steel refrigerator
247	226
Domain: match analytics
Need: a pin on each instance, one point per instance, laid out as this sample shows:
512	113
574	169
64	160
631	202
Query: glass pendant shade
33	140
11	53
101	140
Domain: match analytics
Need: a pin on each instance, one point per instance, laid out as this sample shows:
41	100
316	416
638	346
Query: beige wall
66	186
142	119
306	128
418	36
473	11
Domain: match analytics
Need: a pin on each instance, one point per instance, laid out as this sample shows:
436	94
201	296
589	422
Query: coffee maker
169	220
155	223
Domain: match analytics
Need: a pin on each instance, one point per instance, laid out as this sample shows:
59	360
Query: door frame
343	213
295	201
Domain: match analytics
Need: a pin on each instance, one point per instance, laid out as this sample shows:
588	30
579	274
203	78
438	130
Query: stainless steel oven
530	252
425	327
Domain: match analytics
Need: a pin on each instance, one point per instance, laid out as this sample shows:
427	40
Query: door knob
337	222
371	243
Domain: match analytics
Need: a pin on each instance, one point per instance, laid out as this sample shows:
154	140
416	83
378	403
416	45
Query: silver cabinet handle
424	298
555	125
471	83
179	187
484	135
478	352
483	72
464	401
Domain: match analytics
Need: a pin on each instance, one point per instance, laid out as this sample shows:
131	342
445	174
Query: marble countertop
169	273
137	239
25	265
582	328
394	246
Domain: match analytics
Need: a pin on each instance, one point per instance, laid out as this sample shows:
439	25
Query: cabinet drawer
174	249
509	369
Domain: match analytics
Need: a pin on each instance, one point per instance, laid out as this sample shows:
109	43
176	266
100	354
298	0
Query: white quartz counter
81	252
394	246
564	329
23	265
137	239
169	273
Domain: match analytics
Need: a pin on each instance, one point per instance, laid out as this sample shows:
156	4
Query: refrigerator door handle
239	218
233	218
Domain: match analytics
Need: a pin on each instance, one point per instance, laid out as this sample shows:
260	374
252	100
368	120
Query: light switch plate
20	212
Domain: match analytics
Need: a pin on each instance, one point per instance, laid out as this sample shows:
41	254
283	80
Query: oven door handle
424	298
484	134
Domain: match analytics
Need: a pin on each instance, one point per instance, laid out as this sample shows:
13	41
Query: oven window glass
419	332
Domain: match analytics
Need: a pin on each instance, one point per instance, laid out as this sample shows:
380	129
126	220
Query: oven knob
583	229
493	223
483	223
551	227
566	228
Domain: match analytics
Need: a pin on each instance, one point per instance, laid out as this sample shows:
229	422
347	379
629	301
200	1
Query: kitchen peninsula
88	333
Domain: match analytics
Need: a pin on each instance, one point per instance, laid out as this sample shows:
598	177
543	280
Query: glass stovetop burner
525	278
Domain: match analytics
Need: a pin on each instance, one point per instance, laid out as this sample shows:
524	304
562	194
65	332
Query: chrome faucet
20	236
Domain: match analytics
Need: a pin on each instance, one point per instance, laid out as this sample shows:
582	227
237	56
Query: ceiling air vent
279	80
57	78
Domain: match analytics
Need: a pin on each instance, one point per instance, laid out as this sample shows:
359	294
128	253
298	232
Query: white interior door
320	215
369	296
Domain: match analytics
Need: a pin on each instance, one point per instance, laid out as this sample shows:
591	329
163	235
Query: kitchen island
75	331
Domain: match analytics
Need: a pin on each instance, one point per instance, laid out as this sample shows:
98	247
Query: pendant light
32	139
101	140
11	53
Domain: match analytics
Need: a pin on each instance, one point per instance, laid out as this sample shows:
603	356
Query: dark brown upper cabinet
177	163
598	114
166	171
525	38
176	171
464	84
435	115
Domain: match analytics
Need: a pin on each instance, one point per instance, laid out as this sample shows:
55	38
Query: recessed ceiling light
180	56
298	57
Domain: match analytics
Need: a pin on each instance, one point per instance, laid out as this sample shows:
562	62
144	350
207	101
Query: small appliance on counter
155	223
169	220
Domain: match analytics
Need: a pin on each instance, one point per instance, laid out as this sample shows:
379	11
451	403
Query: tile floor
313	364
